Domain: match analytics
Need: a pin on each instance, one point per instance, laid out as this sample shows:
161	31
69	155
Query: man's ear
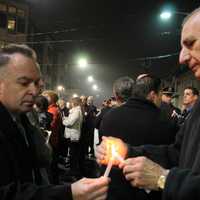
151	96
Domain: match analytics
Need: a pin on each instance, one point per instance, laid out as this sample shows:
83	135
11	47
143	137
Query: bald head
194	13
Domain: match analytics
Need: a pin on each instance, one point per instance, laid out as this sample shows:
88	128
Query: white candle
108	168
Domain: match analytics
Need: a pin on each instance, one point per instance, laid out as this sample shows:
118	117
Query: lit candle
108	168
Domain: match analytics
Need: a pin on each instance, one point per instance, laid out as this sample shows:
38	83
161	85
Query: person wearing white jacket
73	125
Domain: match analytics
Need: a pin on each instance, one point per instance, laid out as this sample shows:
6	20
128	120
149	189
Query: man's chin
27	108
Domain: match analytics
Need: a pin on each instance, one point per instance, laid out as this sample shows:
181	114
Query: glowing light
165	15
75	95
82	62
90	79
60	88
95	87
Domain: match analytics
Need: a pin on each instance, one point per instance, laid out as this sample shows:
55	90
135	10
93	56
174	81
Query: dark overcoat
23	163
136	122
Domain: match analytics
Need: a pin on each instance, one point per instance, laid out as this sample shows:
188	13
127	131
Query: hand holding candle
114	157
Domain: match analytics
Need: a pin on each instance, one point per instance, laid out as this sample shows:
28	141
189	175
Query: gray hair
123	87
7	51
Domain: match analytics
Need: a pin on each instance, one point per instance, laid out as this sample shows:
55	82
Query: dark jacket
22	168
137	122
182	182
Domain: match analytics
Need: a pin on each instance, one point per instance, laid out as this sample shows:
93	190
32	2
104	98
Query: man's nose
34	89
184	56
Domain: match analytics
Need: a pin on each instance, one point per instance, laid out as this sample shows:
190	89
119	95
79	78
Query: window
3	20
20	13
3	7
11	24
20	25
12	9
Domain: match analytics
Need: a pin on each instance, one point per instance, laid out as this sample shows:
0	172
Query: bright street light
165	15
75	95
95	87
82	62
60	88
90	79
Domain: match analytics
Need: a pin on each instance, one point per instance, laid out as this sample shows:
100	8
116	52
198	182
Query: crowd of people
39	131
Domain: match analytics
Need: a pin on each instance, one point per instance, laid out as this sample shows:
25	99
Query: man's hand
102	152
142	172
90	189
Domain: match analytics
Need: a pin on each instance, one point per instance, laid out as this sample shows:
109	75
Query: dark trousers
74	157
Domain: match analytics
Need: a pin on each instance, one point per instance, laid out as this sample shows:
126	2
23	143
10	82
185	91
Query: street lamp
95	87
165	15
60	88
90	79
75	95
83	63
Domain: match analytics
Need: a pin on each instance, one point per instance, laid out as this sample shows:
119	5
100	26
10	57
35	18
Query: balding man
23	154
175	169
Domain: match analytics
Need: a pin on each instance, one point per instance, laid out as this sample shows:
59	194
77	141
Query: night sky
117	36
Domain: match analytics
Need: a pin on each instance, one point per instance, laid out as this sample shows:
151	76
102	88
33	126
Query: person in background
190	97
167	107
64	110
139	121
122	91
44	117
90	115
73	124
56	132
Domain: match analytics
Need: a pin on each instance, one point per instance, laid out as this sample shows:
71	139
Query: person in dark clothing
106	107
139	121
90	115
175	168
190	97
122	90
166	103
44	117
23	152
63	109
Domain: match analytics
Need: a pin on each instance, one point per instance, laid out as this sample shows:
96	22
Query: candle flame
115	152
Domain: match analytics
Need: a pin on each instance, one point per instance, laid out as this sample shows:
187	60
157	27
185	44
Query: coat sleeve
182	184
12	188
28	191
165	155
71	119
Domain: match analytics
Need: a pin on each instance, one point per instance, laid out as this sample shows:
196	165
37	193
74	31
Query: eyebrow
24	78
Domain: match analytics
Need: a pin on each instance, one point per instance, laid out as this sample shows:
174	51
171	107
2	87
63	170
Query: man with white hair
175	169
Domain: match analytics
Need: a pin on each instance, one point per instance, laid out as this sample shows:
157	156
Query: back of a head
51	96
145	84
122	88
42	103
